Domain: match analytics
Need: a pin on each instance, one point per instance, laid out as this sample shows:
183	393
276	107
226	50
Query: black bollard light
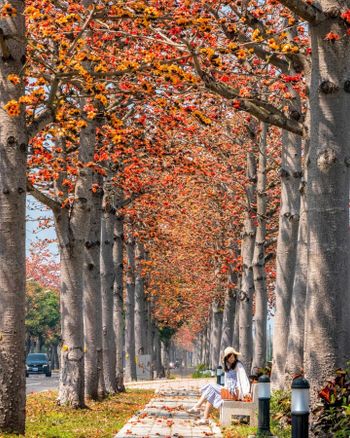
300	408
264	396
219	373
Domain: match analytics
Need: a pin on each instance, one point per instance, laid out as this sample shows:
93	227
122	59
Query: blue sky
35	213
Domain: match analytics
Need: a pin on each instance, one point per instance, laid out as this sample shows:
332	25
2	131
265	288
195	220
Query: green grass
99	420
242	431
200	375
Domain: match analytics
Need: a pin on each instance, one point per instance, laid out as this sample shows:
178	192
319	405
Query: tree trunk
53	357
107	290
150	338
235	334
197	351
72	227
13	149
149	341
206	350
259	357
227	320
248	241
37	345
165	347
55	360
158	355
28	343
71	385
215	336
295	350
119	299
130	368
140	307
92	302
328	300
286	251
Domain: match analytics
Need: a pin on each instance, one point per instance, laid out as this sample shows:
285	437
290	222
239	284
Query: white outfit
235	380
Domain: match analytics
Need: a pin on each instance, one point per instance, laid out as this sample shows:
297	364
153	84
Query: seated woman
236	381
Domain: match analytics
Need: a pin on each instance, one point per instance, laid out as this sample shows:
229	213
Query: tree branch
308	12
43	119
41	197
128	201
261	110
297	60
272	58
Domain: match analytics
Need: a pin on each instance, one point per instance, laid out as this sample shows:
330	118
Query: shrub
201	371
281	407
332	414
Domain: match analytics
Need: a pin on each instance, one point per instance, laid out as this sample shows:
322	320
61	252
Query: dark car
38	363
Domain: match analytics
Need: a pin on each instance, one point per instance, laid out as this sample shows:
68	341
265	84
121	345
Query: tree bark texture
235	334
286	251
295	350
118	252
92	303
158	354
259	356
13	150
328	291
140	305
130	368
247	290
227	319
215	336
149	339
165	350
72	227
206	349
107	289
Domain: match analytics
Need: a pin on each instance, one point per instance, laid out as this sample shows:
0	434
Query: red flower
332	36
346	16
288	78
236	104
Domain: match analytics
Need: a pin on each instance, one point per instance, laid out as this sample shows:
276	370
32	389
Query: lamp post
300	408
264	395
219	373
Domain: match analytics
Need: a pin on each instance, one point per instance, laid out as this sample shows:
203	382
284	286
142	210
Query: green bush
201	367
280	408
201	371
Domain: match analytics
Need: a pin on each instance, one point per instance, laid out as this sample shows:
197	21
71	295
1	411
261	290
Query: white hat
230	350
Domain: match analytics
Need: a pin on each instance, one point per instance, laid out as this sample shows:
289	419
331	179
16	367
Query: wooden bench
246	409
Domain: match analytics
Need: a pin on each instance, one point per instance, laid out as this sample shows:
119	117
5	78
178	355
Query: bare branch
41	197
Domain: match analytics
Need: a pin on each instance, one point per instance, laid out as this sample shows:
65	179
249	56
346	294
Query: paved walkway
165	415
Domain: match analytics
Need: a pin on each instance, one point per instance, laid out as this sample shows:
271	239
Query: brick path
165	416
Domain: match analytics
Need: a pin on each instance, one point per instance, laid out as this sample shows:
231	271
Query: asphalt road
39	382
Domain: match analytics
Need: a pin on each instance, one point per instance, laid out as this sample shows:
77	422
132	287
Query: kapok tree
13	148
327	332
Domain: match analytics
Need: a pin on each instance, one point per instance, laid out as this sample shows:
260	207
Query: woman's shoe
193	410
202	421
